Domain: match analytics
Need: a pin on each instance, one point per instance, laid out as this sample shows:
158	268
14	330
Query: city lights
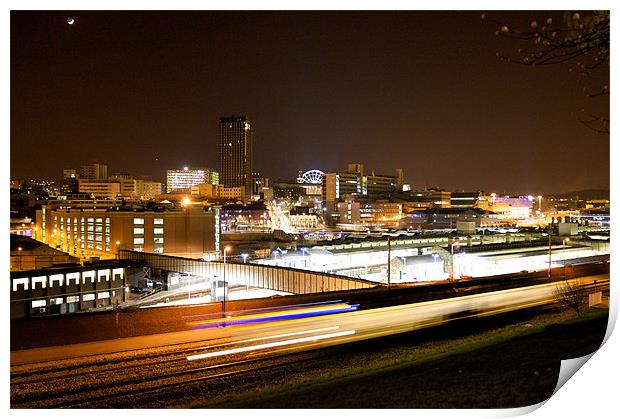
242	188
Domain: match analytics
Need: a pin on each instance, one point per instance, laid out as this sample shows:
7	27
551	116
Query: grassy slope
509	366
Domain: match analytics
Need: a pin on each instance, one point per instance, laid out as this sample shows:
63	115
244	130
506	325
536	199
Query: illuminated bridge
290	280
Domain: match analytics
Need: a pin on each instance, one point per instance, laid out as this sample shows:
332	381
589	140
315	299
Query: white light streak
303	332
271	345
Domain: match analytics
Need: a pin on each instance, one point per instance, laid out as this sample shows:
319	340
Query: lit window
20	281
73	299
158	231
138	240
138	220
158	221
88	297
38	303
101	295
138	231
56	301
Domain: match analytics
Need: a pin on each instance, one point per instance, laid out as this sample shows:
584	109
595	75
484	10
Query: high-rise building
235	151
95	171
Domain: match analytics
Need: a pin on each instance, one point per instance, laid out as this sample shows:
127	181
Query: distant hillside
586	194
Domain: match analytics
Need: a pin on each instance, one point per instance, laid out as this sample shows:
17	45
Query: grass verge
507	366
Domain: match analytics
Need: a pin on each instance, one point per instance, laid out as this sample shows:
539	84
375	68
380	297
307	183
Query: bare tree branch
582	38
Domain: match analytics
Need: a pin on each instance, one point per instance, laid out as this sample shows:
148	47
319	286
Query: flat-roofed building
337	185
148	189
218	191
68	289
95	171
206	190
368	214
353	182
100	189
380	186
507	207
464	199
381	214
233	192
101	230
183	179
427	198
447	218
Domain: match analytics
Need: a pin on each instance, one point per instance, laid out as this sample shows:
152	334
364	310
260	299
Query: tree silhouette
579	38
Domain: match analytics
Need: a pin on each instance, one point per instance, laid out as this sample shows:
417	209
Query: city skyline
419	90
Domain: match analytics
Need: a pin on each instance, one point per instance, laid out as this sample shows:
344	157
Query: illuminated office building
182	180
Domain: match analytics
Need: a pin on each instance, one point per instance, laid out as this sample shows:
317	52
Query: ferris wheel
313	176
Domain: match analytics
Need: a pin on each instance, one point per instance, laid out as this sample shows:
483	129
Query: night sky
143	92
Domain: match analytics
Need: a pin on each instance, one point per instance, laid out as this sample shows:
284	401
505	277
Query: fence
295	281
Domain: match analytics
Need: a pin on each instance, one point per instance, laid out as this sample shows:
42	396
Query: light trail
319	309
384	321
271	345
303	332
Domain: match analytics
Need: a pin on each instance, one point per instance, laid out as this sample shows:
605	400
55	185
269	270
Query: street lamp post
389	266
303	255
435	256
456	242
189	289
226	249
566	240
245	258
549	268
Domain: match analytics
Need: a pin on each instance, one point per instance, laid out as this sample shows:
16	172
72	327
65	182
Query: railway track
89	387
22	373
127	379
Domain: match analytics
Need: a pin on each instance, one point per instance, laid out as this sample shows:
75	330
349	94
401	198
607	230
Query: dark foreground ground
509	365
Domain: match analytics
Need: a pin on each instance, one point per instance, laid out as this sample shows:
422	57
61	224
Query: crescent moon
70	21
